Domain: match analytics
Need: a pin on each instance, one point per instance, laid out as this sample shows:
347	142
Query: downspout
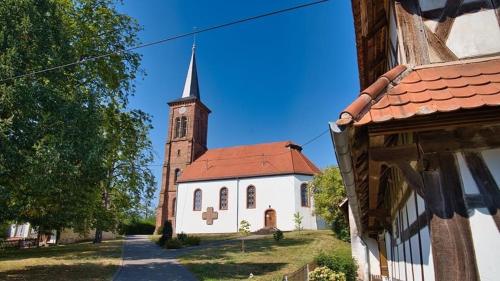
340	138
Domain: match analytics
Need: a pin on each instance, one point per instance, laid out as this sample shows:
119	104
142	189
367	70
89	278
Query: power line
257	155
315	138
197	31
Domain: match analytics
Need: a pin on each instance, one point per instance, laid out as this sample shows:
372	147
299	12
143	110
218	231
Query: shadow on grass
80	271
232	271
107	249
251	246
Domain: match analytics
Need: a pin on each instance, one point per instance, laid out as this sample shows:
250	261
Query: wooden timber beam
408	152
447	18
438	45
411	25
400	156
374	173
469	138
450	233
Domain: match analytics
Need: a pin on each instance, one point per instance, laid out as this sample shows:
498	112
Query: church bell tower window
183	129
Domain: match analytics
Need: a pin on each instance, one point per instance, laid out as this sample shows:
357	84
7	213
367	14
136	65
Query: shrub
182	236
192	241
173	244
278	235
323	273
338	263
167	233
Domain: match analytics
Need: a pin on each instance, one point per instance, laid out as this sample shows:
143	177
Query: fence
19	243
302	274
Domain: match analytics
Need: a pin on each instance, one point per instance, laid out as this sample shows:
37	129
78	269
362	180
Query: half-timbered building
419	148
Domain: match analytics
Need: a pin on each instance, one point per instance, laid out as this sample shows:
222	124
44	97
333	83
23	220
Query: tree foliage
328	191
67	137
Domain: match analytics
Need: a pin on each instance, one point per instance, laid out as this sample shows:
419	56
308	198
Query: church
212	190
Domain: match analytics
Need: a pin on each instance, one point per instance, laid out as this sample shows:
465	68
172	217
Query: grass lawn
264	257
83	261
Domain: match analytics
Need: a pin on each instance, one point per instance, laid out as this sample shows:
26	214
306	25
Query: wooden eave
372	149
371	27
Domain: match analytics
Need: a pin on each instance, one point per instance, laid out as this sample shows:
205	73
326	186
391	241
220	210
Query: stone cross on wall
210	215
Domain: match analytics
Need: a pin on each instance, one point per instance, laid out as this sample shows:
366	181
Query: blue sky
278	78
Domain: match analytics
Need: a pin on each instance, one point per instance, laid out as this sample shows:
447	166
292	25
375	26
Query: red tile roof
266	159
403	93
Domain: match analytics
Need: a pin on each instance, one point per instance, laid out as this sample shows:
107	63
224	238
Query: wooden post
451	239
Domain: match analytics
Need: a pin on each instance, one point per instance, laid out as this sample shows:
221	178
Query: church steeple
191	88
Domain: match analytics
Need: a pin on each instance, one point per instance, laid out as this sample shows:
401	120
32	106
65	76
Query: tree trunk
105	203
243	245
98	236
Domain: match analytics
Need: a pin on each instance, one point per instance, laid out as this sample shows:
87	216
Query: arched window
304	195
177	132
197	200
173	206
223	198
183	126
177	174
251	197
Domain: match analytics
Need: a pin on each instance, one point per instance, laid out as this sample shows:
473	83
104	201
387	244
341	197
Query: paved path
144	260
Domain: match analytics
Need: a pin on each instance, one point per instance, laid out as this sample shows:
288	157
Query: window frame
254	197
183	127
194	199
227	198
307	203
177	129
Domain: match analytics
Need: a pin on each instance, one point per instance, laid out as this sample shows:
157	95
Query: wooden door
270	219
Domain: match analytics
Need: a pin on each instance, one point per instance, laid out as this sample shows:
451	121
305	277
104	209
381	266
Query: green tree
54	143
328	191
244	230
297	218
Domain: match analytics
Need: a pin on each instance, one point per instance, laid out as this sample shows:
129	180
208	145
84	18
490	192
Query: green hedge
137	227
339	263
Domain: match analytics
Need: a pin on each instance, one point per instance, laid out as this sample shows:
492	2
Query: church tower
186	141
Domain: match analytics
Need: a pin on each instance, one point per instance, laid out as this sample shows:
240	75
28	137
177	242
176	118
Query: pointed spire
191	88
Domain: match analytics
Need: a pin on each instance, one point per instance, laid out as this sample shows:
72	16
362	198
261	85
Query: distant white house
264	184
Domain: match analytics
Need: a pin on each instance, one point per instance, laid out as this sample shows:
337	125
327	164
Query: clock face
182	110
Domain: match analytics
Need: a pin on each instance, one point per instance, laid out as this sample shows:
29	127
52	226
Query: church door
270	219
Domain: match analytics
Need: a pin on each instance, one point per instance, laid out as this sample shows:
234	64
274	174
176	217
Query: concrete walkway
144	260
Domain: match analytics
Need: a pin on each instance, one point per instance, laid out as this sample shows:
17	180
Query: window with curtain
304	195
223	198
251	197
197	200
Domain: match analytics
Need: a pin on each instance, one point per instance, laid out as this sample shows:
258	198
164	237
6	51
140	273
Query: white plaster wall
190	221
373	255
358	248
280	193
485	234
475	34
271	193
492	159
307	213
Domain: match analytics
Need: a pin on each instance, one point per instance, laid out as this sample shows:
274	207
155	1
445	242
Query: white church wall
307	213
484	230
190	221
275	192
